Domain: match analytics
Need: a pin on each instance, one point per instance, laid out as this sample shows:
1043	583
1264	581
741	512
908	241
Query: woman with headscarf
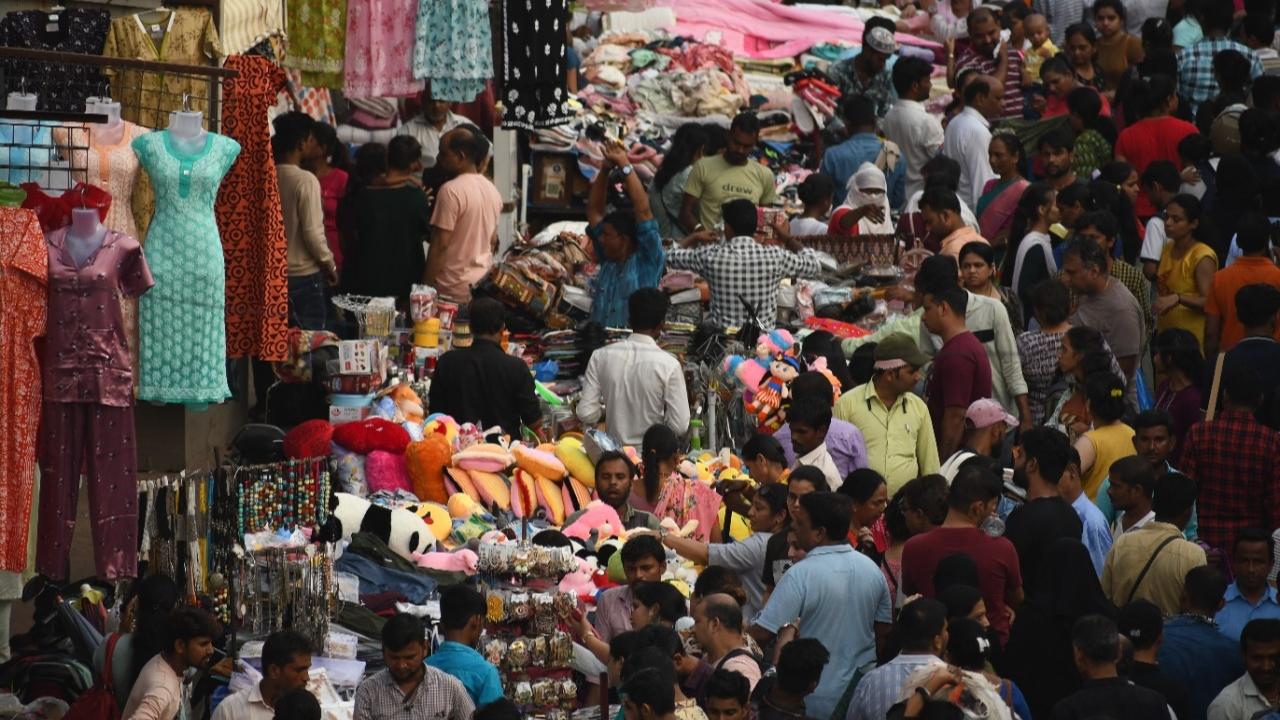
1039	654
866	205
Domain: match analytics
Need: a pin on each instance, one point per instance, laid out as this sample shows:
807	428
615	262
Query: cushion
538	462
310	439
371	434
386	471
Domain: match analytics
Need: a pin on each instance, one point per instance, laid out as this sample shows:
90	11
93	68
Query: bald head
984	94
722	610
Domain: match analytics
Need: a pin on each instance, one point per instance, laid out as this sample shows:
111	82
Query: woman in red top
1156	135
330	164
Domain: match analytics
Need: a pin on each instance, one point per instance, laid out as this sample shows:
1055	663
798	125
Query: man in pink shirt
941	210
464	225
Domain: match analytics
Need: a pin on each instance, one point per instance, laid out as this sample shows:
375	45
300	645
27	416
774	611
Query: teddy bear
774	393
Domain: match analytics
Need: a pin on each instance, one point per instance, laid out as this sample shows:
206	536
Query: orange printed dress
24	278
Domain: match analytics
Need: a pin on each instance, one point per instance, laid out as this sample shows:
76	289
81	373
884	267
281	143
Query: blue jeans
307	305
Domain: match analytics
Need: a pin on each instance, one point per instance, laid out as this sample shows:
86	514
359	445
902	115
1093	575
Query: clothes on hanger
377	61
533	64
189	37
317	41
453	48
77	30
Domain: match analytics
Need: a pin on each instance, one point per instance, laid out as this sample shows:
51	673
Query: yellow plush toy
576	461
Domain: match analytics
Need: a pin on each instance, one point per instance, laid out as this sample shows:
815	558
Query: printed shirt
615	281
742	270
1236	462
437	697
879	88
900	440
1196	82
1013	101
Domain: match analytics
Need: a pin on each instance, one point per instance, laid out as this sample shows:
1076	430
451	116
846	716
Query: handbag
1145	568
99	701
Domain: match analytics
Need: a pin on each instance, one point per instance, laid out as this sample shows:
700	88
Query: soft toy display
570	452
404	531
426	461
770	401
436	517
751	372
599	519
464	561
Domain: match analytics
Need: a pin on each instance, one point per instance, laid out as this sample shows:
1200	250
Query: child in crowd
1037	47
816	192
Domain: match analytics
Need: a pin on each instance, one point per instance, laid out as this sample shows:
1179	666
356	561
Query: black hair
878	21
1105	394
1013	145
1086	340
954	297
812	475
1204	588
717	140
401	631
1162	173
470	142
1157	34
1194	209
1257	304
622	221
671	604
1101	220
727	613
156	596
370	163
775	496
861	484
1253	232
937	273
724	684
1057	65
640	547
1117	5
623	644
658	443
816	189
1135	470
800	664
1089	252
830	511
1083	29
1258	135
291	130
938	199
1015	11
281	647
976	87
862	364
1152	418
458	604
500	709
980	14
1231	68
662	637
647	309
334	148
1262	630
1254	535
719	579
858	111
402	152
1260	27
616	455
745	122
960	599
300	704
1241	384
1107	196
1051	299
1075	194
488	316
1049	448
908	71
652	687
688	140
1025	215
1175	494
1150	94
1060	138
1097	638
821	343
895	517
1180	349
982	249
1265	91
967	644
766	445
813	384
941	171
739	217
1087	103
811	411
974	482
1142	622
1217	16
928	494
919	622
189	623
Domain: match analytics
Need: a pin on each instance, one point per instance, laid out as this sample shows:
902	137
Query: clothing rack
33	148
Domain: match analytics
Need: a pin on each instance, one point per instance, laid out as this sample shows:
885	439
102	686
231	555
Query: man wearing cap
985	425
895	422
867	72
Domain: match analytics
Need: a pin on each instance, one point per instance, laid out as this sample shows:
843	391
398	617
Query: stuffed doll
426	461
774	394
404	531
599	518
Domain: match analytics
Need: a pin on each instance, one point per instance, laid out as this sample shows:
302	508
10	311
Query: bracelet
923	693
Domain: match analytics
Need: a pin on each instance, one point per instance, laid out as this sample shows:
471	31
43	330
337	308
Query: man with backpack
717	624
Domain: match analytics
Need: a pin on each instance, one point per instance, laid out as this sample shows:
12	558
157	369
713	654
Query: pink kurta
380	38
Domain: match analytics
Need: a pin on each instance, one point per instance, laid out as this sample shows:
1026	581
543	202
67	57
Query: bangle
923	692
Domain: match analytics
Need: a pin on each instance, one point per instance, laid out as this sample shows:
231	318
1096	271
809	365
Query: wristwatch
626	170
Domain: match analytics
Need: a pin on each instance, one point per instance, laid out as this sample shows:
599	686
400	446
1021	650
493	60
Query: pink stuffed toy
463	561
386	471
597	515
774	394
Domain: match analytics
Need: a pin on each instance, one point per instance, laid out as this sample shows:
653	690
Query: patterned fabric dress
533	74
77	30
454	48
377	64
183	317
24	276
682	500
317	41
190	38
250	219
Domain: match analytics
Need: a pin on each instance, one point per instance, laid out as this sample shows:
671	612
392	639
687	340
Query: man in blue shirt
462	613
1097	531
1194	654
840	596
627	246
843	160
1249	597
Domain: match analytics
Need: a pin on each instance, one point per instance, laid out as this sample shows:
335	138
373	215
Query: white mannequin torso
186	130
85	235
112	131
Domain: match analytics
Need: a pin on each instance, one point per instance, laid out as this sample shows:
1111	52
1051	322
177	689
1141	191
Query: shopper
297	705
633	385
916	131
658	604
330	162
1156	135
1143	624
844	440
968	136
643	560
1222	329
1103	228
482	384
718	625
988	53
1196	80
157	693
1134	570
862	146
941	211
1104	303
1039	460
1110	438
462	619
718	179
1194	654
1095	131
1248	597
728	695
779	552
408	687
921	631
648	695
985	427
286	666
464	223
659	458
799	669
1000	195
1255	693
615	478
666	192
869	73
961	373
311	264
146	610
1131	491
1096	642
627	245
1117	49
430	127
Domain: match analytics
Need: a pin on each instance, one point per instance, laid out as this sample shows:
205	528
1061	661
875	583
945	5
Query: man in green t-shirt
718	179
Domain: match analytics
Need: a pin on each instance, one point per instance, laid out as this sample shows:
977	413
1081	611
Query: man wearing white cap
867	73
985	425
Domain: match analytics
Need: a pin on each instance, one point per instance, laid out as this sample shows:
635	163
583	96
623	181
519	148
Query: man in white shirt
916	132
922	635
634	384
436	120
809	418
1132	491
968	135
286	666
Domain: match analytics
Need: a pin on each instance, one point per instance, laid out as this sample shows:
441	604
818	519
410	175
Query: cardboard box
359	357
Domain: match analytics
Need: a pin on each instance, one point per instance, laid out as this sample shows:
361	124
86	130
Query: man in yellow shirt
894	421
731	175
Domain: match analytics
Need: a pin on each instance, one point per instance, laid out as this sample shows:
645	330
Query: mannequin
110	132
187	130
22	101
85	235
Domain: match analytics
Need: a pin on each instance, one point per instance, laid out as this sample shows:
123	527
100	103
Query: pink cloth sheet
768	30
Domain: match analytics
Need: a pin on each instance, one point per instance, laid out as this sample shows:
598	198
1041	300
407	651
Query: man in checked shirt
408	689
742	272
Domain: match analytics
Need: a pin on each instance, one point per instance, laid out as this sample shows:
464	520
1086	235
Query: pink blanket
767	30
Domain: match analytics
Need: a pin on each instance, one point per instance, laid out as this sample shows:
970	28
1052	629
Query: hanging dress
454	48
249	216
317	41
24	277
533	64
190	38
76	30
183	318
380	36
